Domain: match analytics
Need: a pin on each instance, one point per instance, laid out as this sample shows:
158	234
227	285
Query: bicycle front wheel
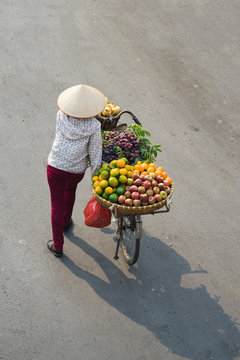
130	233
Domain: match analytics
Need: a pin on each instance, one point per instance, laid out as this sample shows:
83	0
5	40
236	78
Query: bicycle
129	231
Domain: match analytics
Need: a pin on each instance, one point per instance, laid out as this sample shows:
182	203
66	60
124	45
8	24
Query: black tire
130	241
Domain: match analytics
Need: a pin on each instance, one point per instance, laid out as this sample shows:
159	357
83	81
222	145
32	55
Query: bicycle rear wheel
130	233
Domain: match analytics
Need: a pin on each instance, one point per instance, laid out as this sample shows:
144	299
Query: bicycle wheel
130	229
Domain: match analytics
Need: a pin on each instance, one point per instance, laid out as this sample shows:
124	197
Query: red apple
136	202
127	194
158	198
153	175
159	179
151	200
127	188
135	176
166	183
141	189
167	189
161	186
133	188
148	177
142	177
154	183
135	195
147	184
143	197
149	192
137	182
128	202
121	199
156	190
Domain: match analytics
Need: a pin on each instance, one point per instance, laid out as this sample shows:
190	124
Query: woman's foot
52	248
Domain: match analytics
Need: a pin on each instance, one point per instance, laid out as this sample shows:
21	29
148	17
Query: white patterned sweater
76	142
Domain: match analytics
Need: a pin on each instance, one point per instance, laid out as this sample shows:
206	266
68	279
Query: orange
169	180
103	184
105	174
95	178
100	178
123	171
126	160
108	190
114	172
164	175
98	190
153	166
128	167
96	183
160	169
139	163
113	181
113	198
106	167
113	163
121	163
144	173
140	168
136	172
105	196
158	172
145	165
129	174
122	179
150	170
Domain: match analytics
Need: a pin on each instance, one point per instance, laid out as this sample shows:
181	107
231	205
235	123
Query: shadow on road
189	322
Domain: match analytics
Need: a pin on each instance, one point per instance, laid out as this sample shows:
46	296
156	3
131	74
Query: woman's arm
95	150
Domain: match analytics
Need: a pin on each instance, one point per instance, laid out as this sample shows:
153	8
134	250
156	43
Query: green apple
163	194
129	181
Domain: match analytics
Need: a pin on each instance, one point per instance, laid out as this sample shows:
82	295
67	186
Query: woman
77	140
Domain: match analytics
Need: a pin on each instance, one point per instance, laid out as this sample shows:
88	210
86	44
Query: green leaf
119	151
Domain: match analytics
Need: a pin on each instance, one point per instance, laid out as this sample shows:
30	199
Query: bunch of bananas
110	109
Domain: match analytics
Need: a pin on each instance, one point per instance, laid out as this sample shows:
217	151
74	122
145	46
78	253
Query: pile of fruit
131	144
110	109
137	185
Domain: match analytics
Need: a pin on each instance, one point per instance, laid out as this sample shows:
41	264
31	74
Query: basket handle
135	119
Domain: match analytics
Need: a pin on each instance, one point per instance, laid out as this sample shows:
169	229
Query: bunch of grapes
128	143
109	151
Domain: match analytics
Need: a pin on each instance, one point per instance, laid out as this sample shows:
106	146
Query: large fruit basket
133	210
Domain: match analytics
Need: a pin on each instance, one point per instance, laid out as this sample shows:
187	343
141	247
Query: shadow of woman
188	321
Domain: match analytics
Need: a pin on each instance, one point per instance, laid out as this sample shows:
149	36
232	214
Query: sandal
55	252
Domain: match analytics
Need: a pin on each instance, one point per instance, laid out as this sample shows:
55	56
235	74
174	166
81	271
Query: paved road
176	65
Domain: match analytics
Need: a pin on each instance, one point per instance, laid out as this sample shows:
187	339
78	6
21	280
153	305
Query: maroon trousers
62	186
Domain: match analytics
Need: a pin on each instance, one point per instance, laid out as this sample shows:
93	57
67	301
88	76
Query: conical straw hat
81	101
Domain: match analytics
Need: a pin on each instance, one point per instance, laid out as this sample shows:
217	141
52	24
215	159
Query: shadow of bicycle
189	322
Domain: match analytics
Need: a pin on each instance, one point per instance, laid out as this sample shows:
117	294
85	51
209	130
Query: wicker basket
133	210
108	123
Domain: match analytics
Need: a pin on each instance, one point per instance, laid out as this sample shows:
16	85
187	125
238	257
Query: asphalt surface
176	66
